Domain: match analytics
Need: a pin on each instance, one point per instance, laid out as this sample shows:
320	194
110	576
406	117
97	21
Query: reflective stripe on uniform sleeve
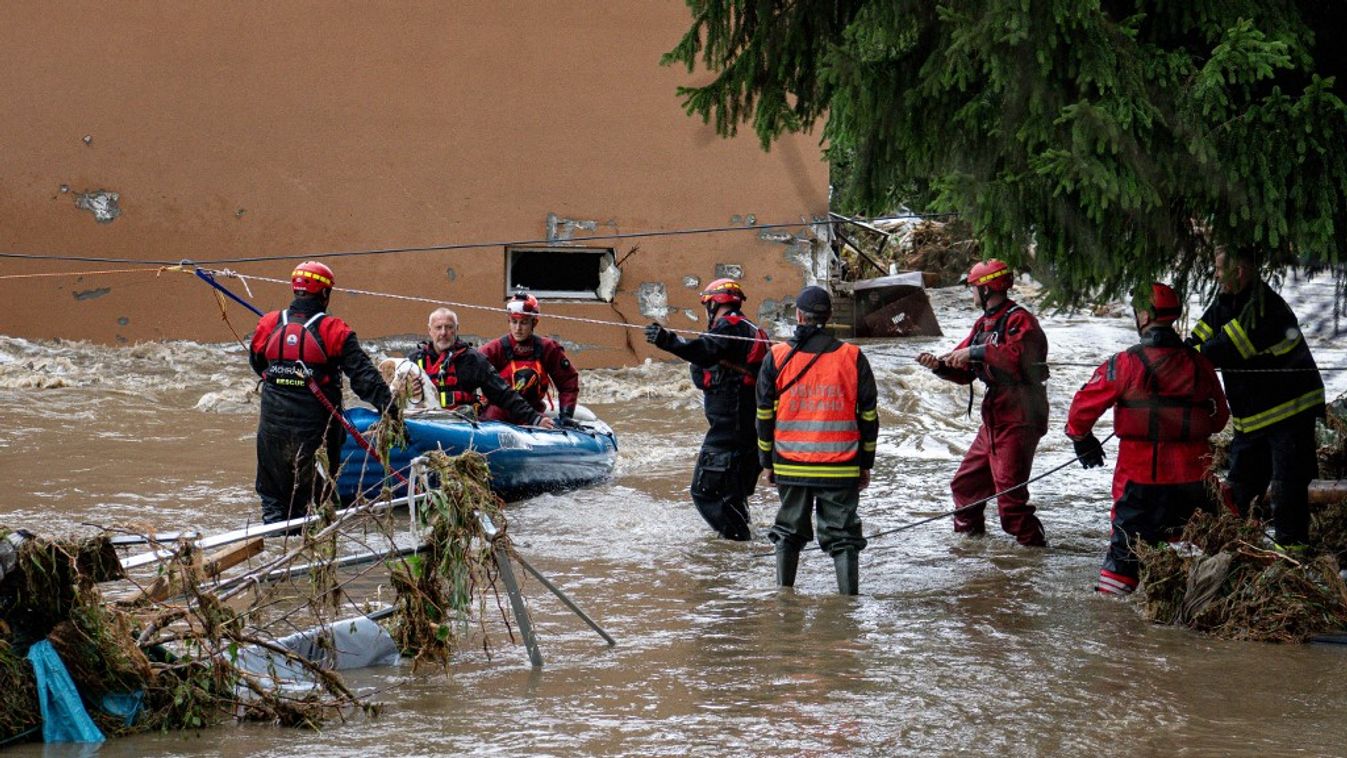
1240	339
1202	331
765	446
1285	346
868	447
1305	402
869	415
766	413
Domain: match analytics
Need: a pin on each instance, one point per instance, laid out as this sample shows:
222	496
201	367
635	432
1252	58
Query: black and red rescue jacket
289	345
1167	402
458	374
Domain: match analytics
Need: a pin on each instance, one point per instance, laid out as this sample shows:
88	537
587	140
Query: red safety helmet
723	291
1165	307
993	274
311	277
523	305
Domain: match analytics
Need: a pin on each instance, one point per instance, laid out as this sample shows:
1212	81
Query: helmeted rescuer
296	351
1007	351
817	429
1167	402
459	373
531	364
724	363
1275	393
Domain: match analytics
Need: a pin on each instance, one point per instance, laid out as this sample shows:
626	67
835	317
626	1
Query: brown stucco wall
296	128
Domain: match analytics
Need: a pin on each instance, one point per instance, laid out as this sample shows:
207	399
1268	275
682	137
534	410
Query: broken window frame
559	294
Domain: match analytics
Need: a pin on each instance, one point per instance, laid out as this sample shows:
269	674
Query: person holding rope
300	353
1007	350
724	364
1275	393
817	430
1167	403
531	364
459	372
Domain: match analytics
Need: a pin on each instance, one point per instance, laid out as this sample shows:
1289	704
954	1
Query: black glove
1089	451
565	417
658	336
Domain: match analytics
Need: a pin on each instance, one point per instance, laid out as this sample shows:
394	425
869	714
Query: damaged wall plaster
102	203
561	229
91	294
729	270
653	300
691	282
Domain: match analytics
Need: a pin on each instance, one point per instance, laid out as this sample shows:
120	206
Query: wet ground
955	646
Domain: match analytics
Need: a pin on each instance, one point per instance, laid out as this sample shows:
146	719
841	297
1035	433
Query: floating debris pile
1230	585
187	649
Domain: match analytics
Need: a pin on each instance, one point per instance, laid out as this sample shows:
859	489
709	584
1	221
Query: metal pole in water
562	596
521	614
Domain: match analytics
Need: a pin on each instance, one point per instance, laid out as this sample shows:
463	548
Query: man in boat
1007	351
301	354
724	363
459	372
531	364
1167	402
1275	393
817	428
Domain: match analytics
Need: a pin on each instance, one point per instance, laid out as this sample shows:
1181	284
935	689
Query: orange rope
157	270
224	315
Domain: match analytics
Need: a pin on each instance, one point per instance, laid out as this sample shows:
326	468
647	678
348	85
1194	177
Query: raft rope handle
956	511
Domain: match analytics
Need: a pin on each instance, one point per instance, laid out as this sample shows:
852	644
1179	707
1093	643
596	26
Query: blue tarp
63	716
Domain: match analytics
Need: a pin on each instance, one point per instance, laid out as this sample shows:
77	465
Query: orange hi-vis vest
816	413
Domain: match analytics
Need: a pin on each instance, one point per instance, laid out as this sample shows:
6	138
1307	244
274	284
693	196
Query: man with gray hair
459	372
817	430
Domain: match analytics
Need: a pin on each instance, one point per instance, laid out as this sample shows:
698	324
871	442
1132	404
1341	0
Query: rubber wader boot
787	561
847	565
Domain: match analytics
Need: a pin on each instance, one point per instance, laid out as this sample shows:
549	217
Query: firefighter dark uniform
817	429
724	364
1273	412
290	349
530	368
1007	353
1167	403
460	372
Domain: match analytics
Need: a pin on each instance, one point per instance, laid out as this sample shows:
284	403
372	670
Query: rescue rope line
208	275
478	245
98	272
955	511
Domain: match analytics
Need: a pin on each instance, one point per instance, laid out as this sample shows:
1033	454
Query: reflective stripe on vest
1308	401
816	416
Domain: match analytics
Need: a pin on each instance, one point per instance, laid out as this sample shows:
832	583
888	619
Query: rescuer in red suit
1007	351
530	364
294	350
1167	402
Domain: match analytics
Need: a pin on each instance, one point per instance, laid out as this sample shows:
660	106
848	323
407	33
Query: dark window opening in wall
575	273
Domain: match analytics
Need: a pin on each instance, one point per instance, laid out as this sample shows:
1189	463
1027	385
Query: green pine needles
1105	144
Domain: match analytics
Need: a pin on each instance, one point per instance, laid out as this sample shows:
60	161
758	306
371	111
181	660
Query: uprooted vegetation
1232	587
177	641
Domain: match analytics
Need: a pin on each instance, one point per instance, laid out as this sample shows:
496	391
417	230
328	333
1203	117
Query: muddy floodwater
955	646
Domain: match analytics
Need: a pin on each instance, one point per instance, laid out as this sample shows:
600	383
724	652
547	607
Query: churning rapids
955	646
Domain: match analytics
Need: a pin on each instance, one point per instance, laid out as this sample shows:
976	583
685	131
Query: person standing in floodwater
818	425
301	352
725	362
1007	351
1275	393
1167	402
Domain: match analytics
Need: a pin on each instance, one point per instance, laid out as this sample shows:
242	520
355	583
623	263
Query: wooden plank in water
214	564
